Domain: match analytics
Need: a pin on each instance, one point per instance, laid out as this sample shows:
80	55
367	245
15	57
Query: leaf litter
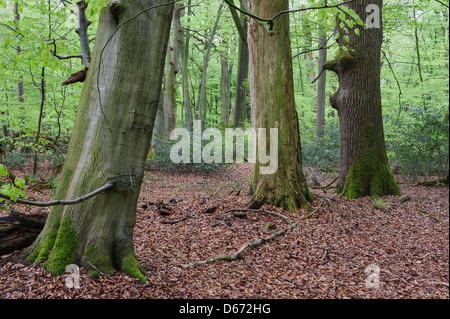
184	217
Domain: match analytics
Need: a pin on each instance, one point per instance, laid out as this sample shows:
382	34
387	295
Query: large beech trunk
364	167
112	133
273	106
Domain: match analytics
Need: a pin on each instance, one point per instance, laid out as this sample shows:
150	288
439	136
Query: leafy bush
322	152
418	144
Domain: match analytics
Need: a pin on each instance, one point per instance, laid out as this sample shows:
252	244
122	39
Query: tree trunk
19	86
41	113
321	84
241	85
273	106
18	231
110	140
185	73
82	31
202	93
240	103
173	68
364	167
225	90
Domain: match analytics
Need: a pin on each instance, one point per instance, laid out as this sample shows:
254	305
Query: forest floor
324	257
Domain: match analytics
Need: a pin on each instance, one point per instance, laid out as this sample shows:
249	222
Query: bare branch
61	202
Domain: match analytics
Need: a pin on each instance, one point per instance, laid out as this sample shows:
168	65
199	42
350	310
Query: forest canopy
36	35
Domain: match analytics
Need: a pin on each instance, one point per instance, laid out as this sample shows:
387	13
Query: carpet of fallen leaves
184	217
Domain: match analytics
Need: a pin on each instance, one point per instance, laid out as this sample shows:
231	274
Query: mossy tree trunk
111	136
364	166
273	106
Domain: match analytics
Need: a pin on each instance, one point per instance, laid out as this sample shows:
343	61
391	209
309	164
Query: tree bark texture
321	85
185	72
173	68
18	231
241	85
110	140
273	106
364	166
202	92
225	89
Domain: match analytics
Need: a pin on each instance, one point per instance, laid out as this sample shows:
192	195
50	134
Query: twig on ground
238	253
315	211
431	216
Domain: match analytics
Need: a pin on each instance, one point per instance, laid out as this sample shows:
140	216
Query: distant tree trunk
240	103
110	140
225	90
173	68
41	113
202	92
241	85
19	86
273	106
185	73
82	31
321	85
159	128
364	167
309	55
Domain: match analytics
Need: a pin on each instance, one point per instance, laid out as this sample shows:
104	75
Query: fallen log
18	231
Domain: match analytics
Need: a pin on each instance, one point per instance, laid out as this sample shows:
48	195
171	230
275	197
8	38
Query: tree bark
185	72
241	85
321	84
18	231
41	113
82	31
173	68
110	140
364	166
240	103
273	106
225	90
202	93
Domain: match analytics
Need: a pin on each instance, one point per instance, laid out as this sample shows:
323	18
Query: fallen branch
324	188
18	231
60	202
238	253
433	182
314	211
439	283
431	216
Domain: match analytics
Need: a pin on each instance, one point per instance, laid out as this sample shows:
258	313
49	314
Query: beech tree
273	106
109	144
364	166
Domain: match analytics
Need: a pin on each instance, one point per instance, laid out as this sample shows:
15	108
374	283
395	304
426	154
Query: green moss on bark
63	251
99	260
131	266
369	177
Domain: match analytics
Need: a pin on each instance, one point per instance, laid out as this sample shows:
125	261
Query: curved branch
61	202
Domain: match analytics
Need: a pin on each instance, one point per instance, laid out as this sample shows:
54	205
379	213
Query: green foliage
416	121
322	152
13	190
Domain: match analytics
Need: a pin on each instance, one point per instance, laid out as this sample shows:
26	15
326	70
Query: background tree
364	166
273	106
